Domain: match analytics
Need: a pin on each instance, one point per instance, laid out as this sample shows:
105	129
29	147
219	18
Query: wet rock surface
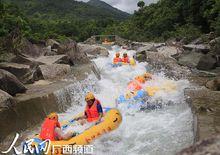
214	84
53	71
21	71
10	84
207	107
6	100
93	50
208	146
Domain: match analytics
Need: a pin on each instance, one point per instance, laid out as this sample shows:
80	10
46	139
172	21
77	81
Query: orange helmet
89	96
53	116
147	76
140	79
117	54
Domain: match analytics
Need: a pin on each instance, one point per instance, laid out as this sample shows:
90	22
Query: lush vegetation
41	19
171	18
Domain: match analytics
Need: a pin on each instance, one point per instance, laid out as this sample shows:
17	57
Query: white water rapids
163	131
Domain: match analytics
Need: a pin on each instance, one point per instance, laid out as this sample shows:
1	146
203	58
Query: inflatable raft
132	63
138	99
111	120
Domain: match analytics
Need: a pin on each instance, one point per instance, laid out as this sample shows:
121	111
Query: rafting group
101	119
124	60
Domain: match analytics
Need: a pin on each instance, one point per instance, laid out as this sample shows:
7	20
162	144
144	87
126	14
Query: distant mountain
106	6
53	9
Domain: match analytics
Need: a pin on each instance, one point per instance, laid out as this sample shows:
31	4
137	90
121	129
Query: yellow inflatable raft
111	121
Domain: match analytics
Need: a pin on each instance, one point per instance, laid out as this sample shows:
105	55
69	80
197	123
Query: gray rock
74	54
21	71
206	104
197	41
207	62
52	43
215	46
202	48
93	50
145	48
32	50
22	59
6	100
52	72
208	146
10	84
190	59
49	51
167	64
213	84
56	59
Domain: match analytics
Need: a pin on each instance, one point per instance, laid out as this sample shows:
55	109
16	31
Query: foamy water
162	131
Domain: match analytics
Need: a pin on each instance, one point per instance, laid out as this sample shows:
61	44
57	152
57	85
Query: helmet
53	116
140	79
117	54
125	55
147	76
89	96
132	62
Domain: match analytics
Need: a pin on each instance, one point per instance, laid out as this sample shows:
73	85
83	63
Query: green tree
141	4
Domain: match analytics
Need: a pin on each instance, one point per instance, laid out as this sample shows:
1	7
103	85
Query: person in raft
51	129
93	110
117	58
136	84
125	58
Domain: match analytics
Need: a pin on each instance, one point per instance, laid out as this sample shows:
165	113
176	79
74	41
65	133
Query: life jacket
125	60
92	112
48	129
134	85
117	60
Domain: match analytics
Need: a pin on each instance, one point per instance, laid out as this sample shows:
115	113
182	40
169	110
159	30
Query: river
162	131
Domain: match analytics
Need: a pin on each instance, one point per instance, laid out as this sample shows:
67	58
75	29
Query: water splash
162	131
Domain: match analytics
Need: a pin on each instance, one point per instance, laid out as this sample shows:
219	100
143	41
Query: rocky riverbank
30	79
199	63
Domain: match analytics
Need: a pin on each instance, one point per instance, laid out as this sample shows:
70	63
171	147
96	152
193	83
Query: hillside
105	6
56	9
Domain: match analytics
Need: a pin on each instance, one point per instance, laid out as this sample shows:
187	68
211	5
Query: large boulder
208	146
168	50
56	59
214	84
207	62
72	51
52	72
22	59
167	64
93	50
6	100
32	50
10	84
146	47
202	48
189	58
52	43
21	71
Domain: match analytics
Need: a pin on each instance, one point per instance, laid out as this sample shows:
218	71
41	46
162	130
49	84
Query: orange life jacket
48	129
125	60
116	60
134	85
92	112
